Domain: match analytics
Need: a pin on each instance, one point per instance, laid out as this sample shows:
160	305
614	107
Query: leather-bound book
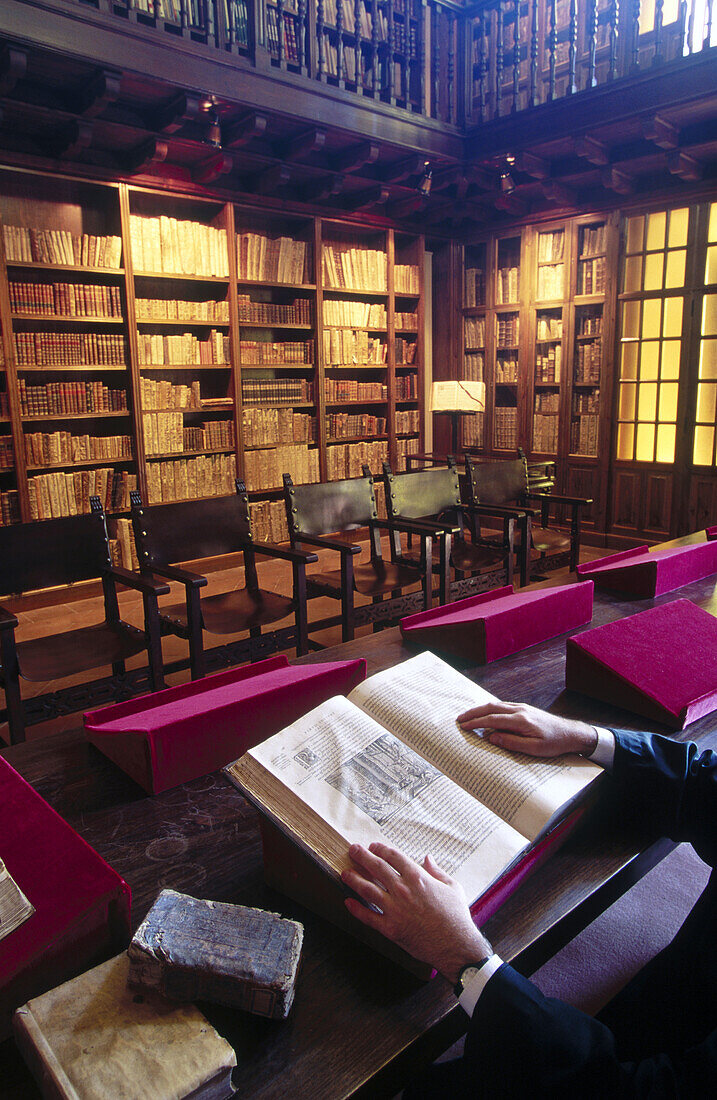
187	949
94	1038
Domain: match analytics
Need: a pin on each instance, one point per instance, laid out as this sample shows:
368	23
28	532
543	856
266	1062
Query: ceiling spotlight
424	184
213	134
507	183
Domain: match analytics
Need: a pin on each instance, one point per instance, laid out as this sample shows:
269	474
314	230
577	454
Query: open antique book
390	763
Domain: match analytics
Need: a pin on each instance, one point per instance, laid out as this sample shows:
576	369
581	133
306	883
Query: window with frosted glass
705	442
650	335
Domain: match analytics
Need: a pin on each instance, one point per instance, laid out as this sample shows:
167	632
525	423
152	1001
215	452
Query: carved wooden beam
616	180
357	156
661	132
212	168
686	167
311	141
174	114
592	150
271	179
67	140
152	151
324	188
533	166
405	207
403	169
557	193
13	66
93	96
510	204
480	177
372	196
253	126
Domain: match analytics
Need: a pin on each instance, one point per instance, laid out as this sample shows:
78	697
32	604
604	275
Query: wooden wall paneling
657	501
702	501
625	501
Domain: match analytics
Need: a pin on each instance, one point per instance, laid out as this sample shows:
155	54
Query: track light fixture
424	184
507	183
213	135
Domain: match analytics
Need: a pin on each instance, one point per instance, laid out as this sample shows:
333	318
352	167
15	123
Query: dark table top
359	1023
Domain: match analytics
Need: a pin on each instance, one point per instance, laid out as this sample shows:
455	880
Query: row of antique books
472	430
166	244
268	521
350	389
68	398
507	285
348	425
263	469
592	240
586	403
351	267
66	299
505	429
279	351
474	332
351	314
589	359
346	459
59	246
547	403
551	246
296	312
545	433
257	391
123	549
547	366
584	434
474	366
69	348
68	494
402	320
508	330
406	279
407	446
183	349
7	453
9	507
161	394
55	448
267	427
166	433
506	369
174	309
190	478
270	259
549	328
474	287
591	276
4	406
407	420
405	350
551	281
347	345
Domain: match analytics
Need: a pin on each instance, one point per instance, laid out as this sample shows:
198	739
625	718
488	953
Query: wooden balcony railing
460	65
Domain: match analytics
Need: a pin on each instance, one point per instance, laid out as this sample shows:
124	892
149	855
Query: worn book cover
188	949
94	1038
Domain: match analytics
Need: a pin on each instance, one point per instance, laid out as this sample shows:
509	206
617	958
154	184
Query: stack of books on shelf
350	425
171	309
592	241
365	18
547	365
9	507
506	369
58	494
172	246
405	350
268	521
405	321
508	326
407	421
545	422
584	426
184	349
406	387
161	394
591	276
191	478
337	390
69	398
270	259
278	352
290	42
551	246
67	349
353	268
508	284
59	246
264	469
406	447
267	427
474	289
474	366
163	433
122	548
65	299
212	435
296	312
7	453
343	346
589	359
590	324
56	448
406	279
276	391
549	328
472	430
506	427
346	459
353	314
474	332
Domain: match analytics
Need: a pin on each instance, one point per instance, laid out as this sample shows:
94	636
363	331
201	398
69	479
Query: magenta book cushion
711	533
644	574
82	906
173	736
648	663
494	624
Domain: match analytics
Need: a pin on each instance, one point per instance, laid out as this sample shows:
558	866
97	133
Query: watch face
467	974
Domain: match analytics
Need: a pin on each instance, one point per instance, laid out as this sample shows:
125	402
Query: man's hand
423	909
522	728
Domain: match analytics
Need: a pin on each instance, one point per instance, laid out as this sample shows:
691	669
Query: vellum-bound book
188	949
389	763
94	1038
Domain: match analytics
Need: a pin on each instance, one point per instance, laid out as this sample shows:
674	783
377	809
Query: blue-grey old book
187	949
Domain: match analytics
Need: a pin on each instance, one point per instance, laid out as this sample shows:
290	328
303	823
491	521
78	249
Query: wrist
472	950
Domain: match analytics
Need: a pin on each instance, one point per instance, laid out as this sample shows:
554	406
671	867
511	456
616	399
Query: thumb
430	865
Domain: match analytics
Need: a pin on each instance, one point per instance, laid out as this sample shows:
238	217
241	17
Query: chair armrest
286	554
174	573
8	621
553	499
416	526
433	460
141	582
328	544
497	510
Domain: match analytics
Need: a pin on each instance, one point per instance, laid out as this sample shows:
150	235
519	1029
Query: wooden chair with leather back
433	496
327	515
60	552
506	483
188	531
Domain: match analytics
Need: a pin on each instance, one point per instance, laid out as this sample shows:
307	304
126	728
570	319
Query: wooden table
360	1025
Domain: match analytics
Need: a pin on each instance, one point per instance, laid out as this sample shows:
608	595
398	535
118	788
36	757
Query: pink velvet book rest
176	735
82	906
644	574
661	663
493	624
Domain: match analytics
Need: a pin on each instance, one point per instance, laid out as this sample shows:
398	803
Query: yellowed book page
369	786
419	700
14	906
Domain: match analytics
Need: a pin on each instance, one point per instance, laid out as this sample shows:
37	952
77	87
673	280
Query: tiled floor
74	613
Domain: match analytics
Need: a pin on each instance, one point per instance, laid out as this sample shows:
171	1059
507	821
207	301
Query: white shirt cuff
604	752
469	997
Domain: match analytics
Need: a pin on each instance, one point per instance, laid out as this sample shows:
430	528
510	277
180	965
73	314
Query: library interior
278	375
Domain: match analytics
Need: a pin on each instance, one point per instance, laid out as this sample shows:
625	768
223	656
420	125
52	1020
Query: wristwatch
466	974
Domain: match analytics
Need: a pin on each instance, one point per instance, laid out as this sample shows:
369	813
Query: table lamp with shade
457	398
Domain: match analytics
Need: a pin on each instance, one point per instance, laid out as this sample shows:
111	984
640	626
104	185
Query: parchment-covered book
188	949
94	1038
14	906
389	763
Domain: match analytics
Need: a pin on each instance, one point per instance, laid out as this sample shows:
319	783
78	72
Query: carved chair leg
301	615
197	661
13	699
153	638
347	600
